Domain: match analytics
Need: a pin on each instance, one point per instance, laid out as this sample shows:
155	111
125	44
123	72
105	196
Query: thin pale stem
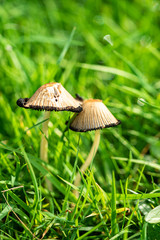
88	161
44	145
44	139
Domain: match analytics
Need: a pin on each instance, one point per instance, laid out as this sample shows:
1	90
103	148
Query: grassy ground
45	41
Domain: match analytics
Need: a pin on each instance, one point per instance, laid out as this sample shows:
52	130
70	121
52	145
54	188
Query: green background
63	41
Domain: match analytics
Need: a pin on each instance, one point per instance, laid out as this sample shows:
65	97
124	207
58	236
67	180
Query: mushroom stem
44	140
88	161
44	145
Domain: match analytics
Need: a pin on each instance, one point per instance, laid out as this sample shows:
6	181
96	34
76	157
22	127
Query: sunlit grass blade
112	70
66	47
37	124
114	225
139	161
33	177
133	196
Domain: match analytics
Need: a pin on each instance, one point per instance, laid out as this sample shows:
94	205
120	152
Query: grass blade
112	70
114	225
66	47
33	177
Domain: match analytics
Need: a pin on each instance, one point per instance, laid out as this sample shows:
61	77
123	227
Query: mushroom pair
49	97
94	116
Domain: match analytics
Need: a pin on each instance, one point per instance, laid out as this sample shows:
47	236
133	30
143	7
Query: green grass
45	41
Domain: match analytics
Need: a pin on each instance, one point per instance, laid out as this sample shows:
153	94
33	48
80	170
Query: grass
46	41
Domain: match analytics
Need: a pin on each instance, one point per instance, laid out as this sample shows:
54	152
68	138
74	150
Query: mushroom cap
95	115
49	97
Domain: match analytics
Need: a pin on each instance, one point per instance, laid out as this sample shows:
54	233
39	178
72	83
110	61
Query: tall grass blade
114	225
66	47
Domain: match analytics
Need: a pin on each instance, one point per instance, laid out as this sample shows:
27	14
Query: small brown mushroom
94	116
49	97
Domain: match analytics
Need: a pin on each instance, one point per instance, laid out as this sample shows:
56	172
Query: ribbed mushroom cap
95	115
51	96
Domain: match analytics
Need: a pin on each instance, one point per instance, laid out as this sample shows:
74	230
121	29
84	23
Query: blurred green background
123	72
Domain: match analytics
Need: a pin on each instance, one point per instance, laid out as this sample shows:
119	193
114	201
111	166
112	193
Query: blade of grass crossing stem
114	225
34	180
35	125
28	129
66	47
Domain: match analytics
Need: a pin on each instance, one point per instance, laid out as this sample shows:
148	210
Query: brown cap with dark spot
95	115
51	96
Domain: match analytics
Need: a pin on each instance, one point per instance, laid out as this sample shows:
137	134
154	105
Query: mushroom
94	116
49	97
